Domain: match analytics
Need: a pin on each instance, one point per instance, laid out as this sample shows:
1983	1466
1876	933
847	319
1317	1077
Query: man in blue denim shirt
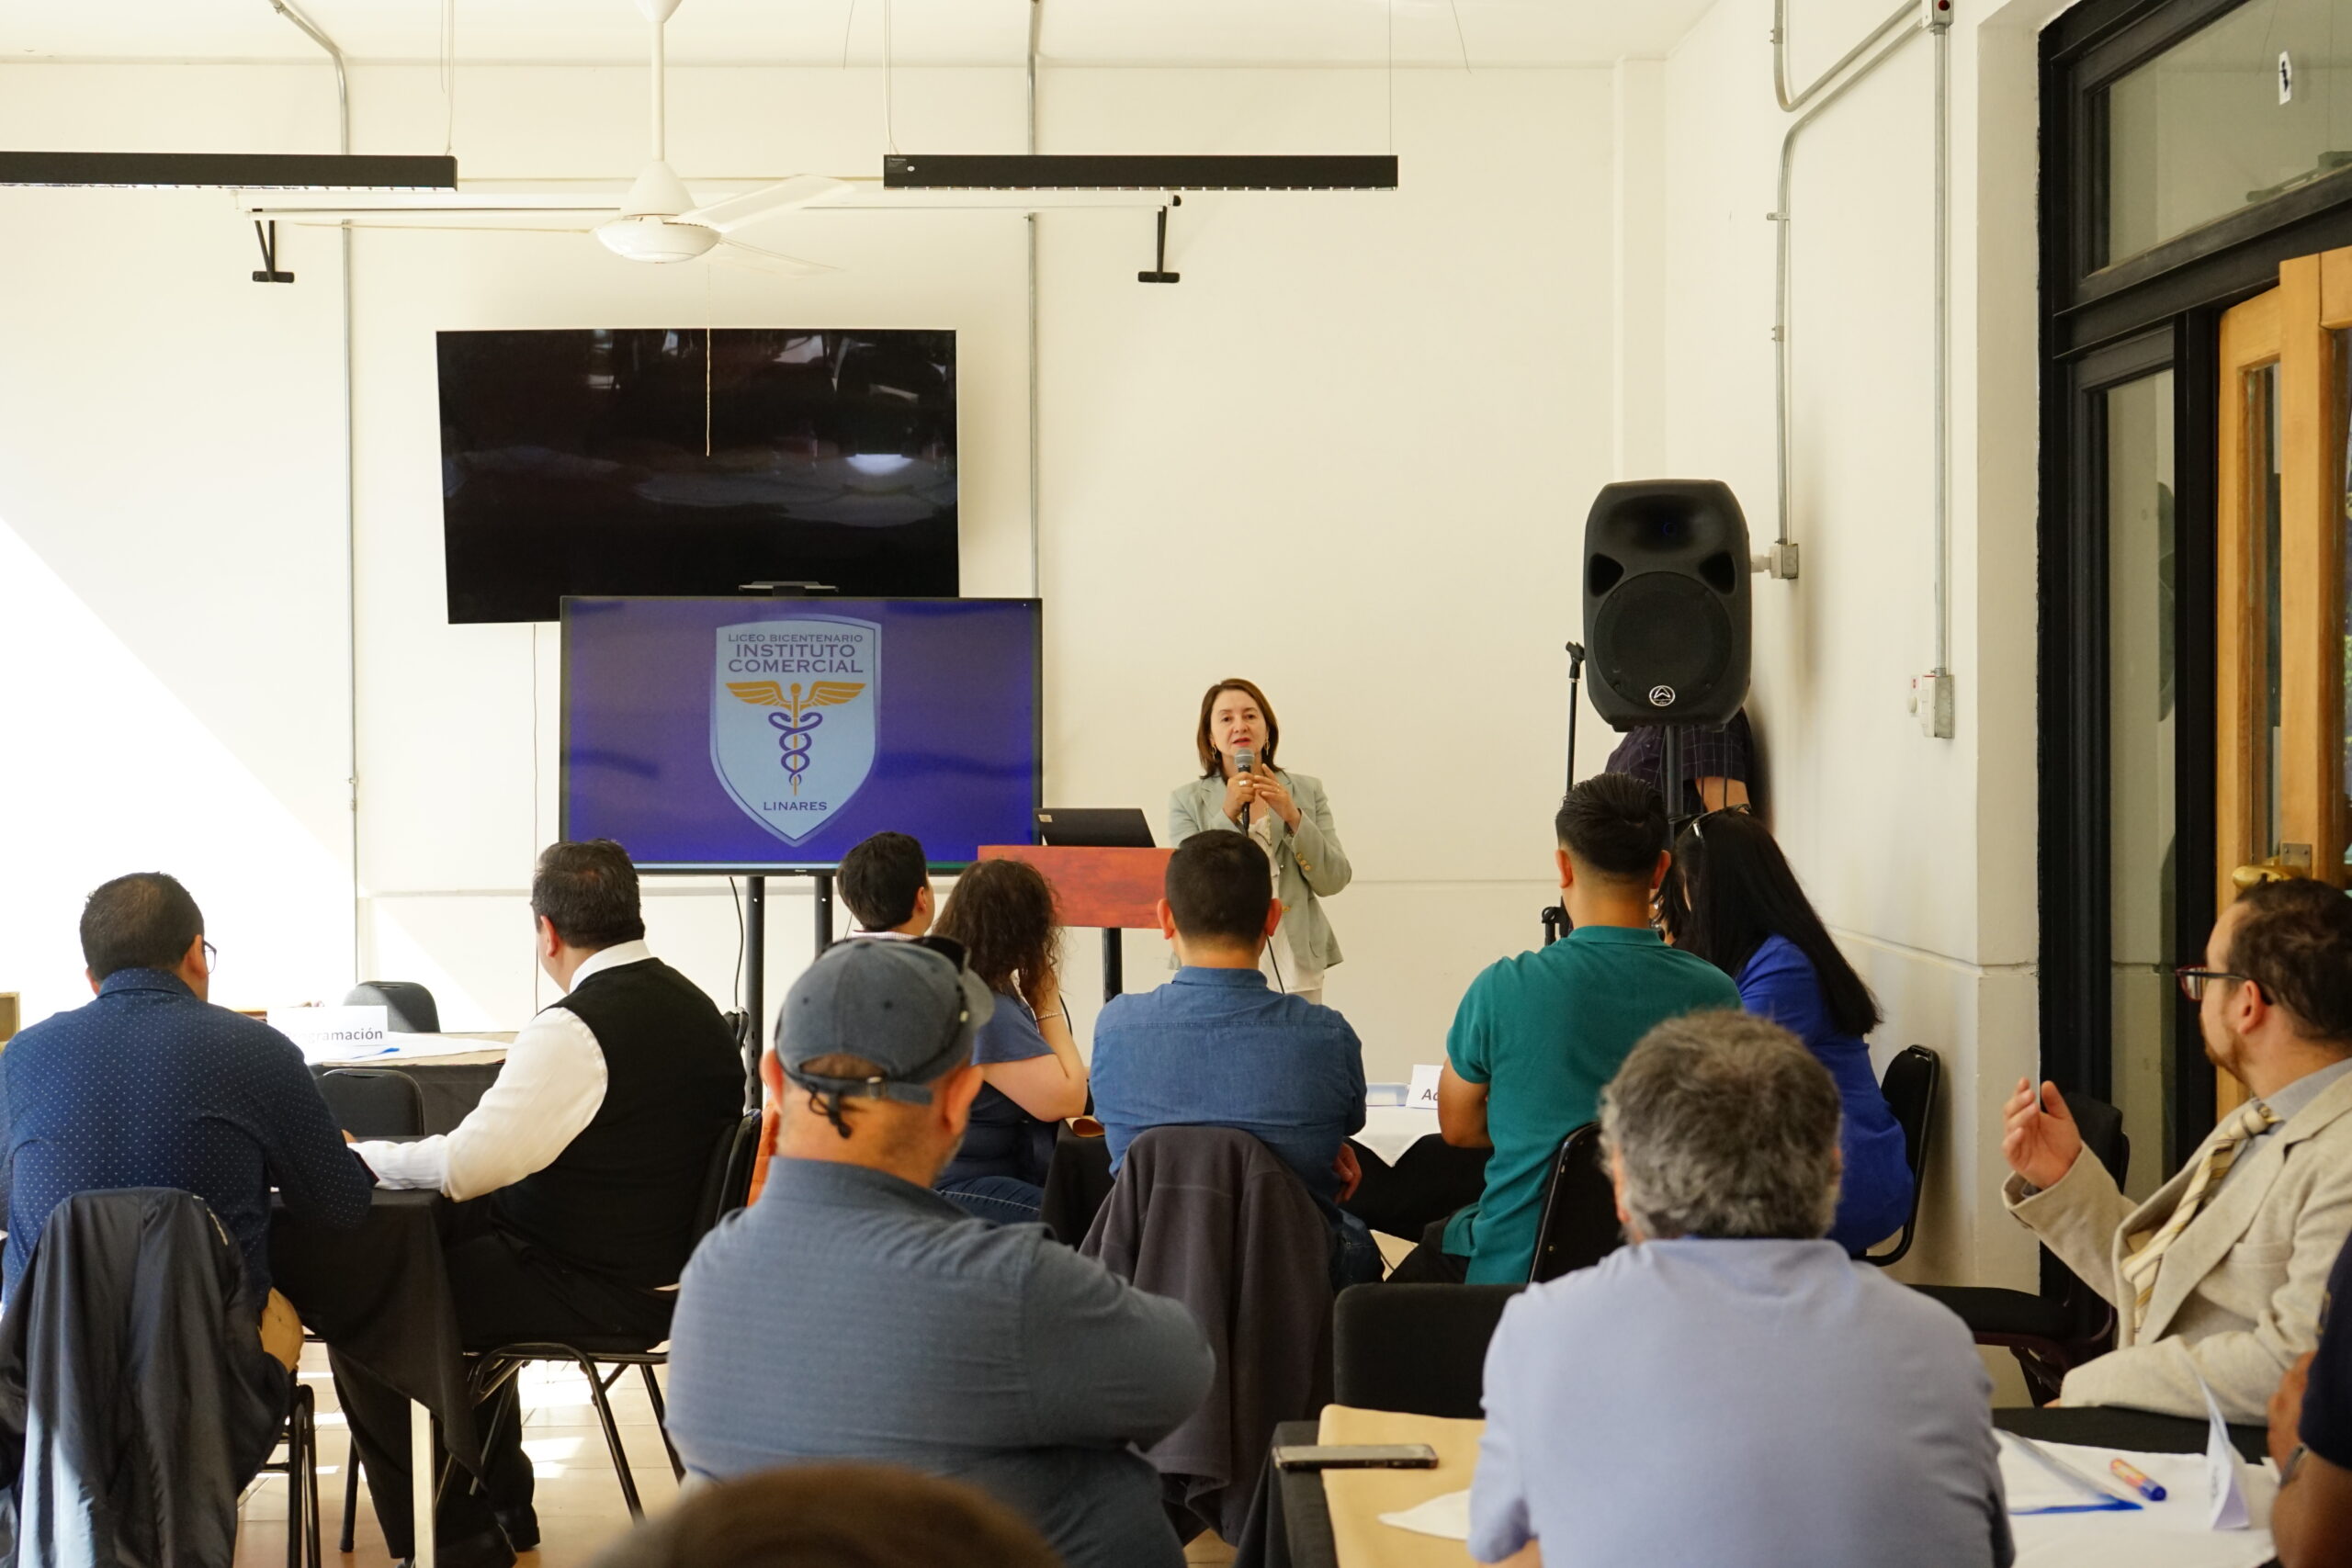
1216	1047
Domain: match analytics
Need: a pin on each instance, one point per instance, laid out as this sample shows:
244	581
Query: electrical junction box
1932	702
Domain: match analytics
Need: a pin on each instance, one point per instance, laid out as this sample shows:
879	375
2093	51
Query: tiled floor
579	1503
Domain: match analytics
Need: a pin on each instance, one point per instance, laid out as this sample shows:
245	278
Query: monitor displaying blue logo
750	734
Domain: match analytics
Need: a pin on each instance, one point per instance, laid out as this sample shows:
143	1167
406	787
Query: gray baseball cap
910	1008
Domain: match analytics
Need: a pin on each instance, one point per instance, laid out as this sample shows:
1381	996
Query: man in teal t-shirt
1537	1035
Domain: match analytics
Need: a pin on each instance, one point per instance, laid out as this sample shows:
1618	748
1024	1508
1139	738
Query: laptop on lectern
1093	828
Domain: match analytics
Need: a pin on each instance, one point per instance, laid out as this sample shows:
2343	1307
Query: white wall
1349	456
1919	852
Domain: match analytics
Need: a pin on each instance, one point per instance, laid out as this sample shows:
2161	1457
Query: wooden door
2280	731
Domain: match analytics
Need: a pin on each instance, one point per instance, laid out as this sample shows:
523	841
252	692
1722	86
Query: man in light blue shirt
853	1313
1732	1388
1216	1047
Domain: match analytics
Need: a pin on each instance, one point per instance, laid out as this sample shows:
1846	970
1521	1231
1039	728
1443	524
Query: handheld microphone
1245	761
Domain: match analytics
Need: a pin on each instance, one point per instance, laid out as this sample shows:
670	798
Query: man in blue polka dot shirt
151	1086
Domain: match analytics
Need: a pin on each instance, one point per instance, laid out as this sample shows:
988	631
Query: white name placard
333	1034
1422	1094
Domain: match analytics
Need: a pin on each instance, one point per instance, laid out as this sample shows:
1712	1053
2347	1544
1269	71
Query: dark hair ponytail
1731	889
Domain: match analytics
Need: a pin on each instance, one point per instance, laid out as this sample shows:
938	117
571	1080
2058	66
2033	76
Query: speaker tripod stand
1555	916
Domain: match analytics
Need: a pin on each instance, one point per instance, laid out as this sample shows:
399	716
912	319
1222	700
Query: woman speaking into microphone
1242	791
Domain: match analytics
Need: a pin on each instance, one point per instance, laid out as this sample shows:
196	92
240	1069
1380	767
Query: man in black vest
578	1177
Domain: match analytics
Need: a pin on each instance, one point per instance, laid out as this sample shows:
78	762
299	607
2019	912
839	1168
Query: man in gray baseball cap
854	1313
878	1021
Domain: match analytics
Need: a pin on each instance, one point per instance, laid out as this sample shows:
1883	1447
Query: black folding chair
2067	1322
301	1468
1418	1348
374	1102
1579	1227
1909	1085
603	1360
408	1007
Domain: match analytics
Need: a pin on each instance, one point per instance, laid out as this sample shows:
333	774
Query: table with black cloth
2137	1431
451	1086
1290	1522
378	1294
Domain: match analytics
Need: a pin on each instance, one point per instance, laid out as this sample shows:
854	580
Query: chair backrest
374	1102
1909	1085
1579	1227
727	1183
2101	1126
1418	1348
408	1006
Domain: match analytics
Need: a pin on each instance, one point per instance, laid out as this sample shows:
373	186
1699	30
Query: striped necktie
2140	1267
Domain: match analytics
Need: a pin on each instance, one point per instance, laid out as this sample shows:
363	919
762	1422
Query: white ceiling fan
658	221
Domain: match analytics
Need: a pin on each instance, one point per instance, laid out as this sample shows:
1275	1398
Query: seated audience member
2217	1278
1731	1388
887	885
151	1086
1718	763
1537	1035
580	1173
1216	1046
1732	899
1001	911
856	1313
2311	1440
833	1515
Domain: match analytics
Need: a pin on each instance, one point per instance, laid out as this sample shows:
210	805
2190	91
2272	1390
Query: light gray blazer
1311	861
2237	1297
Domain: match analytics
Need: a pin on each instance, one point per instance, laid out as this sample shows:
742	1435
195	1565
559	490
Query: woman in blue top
1732	899
1032	1077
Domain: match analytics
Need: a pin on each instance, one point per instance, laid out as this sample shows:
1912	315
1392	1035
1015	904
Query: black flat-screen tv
687	462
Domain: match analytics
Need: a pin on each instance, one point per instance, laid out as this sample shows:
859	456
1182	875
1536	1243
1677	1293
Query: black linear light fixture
233	171
1138	170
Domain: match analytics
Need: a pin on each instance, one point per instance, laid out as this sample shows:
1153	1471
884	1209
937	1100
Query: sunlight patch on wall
107	772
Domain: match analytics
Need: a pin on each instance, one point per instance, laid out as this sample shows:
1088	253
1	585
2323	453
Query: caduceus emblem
796	725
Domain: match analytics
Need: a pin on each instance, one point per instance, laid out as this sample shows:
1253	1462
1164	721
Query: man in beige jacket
2219	1275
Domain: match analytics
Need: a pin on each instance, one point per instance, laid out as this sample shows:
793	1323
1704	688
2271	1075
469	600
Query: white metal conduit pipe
1932	18
312	31
1036	578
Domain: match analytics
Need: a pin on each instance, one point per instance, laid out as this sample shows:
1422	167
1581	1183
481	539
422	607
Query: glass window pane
2201	130
2142	870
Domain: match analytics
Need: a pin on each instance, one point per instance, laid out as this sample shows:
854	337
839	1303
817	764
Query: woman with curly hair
1032	1075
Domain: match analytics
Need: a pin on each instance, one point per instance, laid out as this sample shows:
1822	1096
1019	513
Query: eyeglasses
2193	980
211	958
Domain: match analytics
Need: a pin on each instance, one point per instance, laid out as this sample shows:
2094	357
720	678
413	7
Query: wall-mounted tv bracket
268	241
1159	272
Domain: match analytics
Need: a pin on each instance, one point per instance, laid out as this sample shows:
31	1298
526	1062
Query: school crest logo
792	706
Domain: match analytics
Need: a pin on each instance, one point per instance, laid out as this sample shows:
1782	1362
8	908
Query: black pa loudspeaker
1666	603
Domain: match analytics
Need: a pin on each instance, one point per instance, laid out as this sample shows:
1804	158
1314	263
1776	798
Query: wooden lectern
1115	890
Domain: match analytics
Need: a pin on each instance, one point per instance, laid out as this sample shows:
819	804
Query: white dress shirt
550	1089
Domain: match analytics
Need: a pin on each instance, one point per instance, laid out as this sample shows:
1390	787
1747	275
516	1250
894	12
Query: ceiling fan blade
427	216
442	228
741	254
734	212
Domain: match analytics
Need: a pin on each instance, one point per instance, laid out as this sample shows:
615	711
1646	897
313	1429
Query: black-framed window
2134	282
